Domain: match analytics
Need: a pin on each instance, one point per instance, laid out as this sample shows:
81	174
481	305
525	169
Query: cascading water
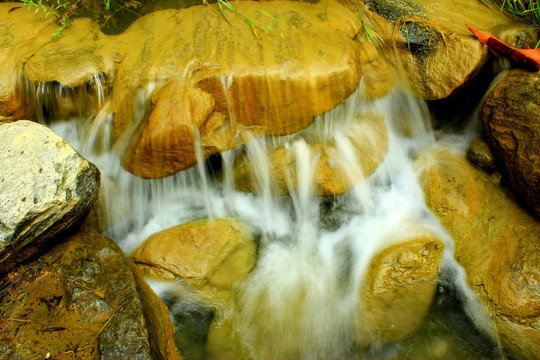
301	300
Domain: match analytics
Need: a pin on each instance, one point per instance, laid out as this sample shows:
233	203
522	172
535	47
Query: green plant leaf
252	26
267	14
227	5
268	28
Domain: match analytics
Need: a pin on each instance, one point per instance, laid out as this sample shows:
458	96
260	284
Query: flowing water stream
314	251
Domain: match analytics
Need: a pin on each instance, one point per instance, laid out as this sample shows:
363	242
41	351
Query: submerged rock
496	242
511	117
83	298
212	255
334	166
45	188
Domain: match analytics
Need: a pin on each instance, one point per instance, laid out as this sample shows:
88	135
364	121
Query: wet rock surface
335	170
196	51
180	79
479	153
511	118
83	299
212	255
439	56
400	286
483	220
437	62
179	86
45	188
18	42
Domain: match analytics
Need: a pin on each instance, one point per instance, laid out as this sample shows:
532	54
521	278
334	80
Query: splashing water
301	300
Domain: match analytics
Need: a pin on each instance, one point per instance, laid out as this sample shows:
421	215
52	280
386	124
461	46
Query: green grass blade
252	26
228	5
267	14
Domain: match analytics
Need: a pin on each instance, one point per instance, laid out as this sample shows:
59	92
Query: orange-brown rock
167	141
83	298
437	53
212	255
244	75
479	153
437	63
296	61
400	285
73	58
64	61
511	118
335	170
496	242
23	32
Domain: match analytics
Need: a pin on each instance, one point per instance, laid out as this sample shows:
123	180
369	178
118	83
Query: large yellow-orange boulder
496	242
272	84
175	73
212	255
399	287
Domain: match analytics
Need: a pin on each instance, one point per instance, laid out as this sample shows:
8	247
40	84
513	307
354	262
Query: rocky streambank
181	87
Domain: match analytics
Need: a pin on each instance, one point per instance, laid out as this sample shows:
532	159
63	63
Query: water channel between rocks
313	251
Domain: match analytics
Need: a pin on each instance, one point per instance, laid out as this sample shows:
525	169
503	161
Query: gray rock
45	187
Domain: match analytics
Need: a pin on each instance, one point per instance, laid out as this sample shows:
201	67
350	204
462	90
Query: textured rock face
210	254
335	170
45	187
437	53
181	72
180	79
495	241
222	65
511	118
400	286
435	70
226	60
84	297
479	153
19	40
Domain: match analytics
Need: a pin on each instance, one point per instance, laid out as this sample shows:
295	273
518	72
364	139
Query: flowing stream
314	251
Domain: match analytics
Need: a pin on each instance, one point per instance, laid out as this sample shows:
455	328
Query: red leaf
526	58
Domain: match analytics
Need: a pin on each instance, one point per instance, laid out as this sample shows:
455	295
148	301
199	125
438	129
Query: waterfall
301	300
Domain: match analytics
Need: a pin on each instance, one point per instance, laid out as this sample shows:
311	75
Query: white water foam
301	300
